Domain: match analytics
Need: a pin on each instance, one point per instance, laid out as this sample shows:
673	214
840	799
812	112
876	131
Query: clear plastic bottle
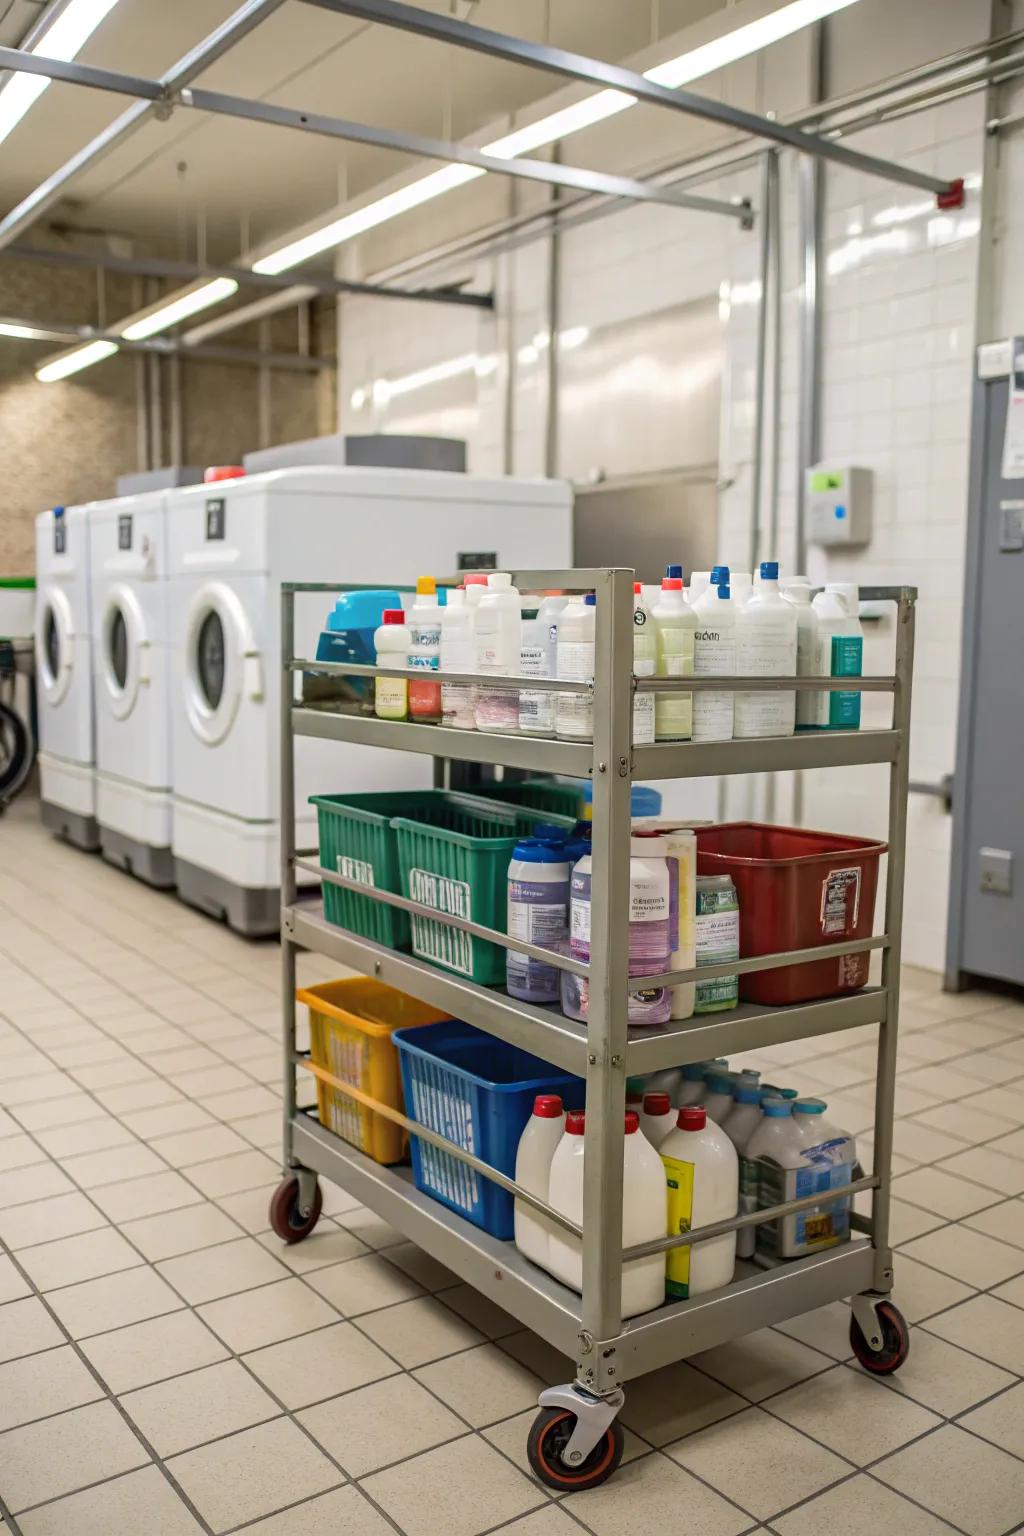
675	625
840	654
391	644
702	1178
714	655
574	712
498	641
742	584
645	661
798	592
538	657
424	624
537	1146
766	646
458	654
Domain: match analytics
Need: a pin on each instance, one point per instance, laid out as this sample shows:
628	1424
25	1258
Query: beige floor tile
416	1332
962	1479
921	1143
26	1327
166	1119
938	1190
72	1259
1005	1103
89	1136
184	1148
233	1175
1005	1222
95	1443
944	1378
967	1255
211	1080
1001	1421
222	1270
370	1229
761	1364
188	1410
986	1326
94	1169
23	1185
381	1423
38	1386
113	1074
178	1232
989	1067
130	1504
762	1464
343	1512
969	1123
166	1191
482	1385
972	1034
112	1302
652	1491
906	1221
250	1209
12	1285
151	1351
253	1473
419	1266
329	1244
254	1319
943	1083
674	1401
363	1285
493	1322
860	1507
19	1151
138	1096
462	1489
43	1085
319	1365
852	1413
47	1220
243	1104
263	1131
994	1170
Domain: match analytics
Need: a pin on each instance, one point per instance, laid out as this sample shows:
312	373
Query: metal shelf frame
605	1049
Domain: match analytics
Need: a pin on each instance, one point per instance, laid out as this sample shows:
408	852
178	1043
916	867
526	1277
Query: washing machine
63	646
230	547
131	683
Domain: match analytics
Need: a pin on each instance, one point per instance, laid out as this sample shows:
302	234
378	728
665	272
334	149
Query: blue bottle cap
674	572
747	1095
770	1091
723	590
769	570
777	1109
590	600
719	573
720	1082
531	850
809	1106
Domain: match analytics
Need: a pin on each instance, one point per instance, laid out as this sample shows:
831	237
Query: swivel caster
575	1442
879	1336
295	1206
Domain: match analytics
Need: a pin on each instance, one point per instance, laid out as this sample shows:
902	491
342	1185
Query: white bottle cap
456	598
498	579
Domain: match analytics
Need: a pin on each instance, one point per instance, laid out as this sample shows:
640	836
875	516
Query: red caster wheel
286	1218
895	1341
549	1435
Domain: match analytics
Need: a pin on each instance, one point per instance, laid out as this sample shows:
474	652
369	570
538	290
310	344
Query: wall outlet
996	869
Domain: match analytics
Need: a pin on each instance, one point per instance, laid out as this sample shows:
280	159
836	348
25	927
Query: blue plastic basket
479	1093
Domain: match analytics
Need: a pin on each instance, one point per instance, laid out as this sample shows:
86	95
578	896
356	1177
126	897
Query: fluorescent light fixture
180	308
596	108
23	332
73	362
63	40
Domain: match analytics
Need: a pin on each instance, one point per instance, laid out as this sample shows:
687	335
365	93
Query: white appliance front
230	548
64	674
131	664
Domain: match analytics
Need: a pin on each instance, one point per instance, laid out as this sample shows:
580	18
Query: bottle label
643	719
649	946
714	655
425	634
537	912
767	650
839	656
808	1231
679	1183
673	712
391	698
536	710
436	941
718	942
574	712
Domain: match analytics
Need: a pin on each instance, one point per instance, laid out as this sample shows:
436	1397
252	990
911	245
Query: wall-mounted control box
838	505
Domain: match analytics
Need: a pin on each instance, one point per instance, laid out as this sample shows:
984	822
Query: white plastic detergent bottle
538	911
458	654
645	662
669	1081
840	653
745	1114
538	656
675	625
694	1083
643	1213
740	1128
536	1148
498	636
714	655
742	584
766	646
424	623
657	1117
777	1147
574	712
391	644
834	1152
702	1178
699	583
798	592
720	1085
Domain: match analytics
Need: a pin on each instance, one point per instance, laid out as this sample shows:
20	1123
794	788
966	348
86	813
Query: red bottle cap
394	615
222	472
548	1106
637	588
671	583
632	1121
476	579
693	1117
657	1103
574	1122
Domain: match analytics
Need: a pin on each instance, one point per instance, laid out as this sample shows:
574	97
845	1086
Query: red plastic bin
796	889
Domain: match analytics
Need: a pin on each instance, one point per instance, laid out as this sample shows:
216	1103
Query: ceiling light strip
62	40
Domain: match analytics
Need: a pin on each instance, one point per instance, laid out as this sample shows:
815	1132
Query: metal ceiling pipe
232	30
68	331
576	66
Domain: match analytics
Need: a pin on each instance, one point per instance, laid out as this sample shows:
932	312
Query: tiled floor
167	1367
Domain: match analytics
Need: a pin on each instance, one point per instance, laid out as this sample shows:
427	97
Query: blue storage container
351	625
479	1093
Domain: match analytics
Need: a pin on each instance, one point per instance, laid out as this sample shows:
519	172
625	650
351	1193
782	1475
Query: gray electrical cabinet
986	912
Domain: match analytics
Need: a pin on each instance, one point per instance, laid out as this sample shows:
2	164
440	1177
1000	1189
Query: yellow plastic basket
350	1025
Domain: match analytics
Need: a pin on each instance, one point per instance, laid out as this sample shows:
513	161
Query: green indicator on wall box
822	480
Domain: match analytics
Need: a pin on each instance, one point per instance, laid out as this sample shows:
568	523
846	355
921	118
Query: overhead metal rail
577	66
237	26
188	271
158	94
167	346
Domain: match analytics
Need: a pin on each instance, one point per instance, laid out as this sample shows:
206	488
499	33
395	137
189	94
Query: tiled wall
900	288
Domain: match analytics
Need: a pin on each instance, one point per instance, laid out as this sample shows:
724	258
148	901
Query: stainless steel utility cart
575	1441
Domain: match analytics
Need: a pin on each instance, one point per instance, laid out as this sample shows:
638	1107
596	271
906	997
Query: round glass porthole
210	659
51	645
118	643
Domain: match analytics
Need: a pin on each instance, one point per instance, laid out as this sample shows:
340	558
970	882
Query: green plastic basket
358	840
552	796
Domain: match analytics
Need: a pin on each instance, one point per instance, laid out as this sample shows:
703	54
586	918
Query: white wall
900	292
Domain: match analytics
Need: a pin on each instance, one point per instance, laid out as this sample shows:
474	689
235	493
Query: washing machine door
222	664
55	648
124	659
